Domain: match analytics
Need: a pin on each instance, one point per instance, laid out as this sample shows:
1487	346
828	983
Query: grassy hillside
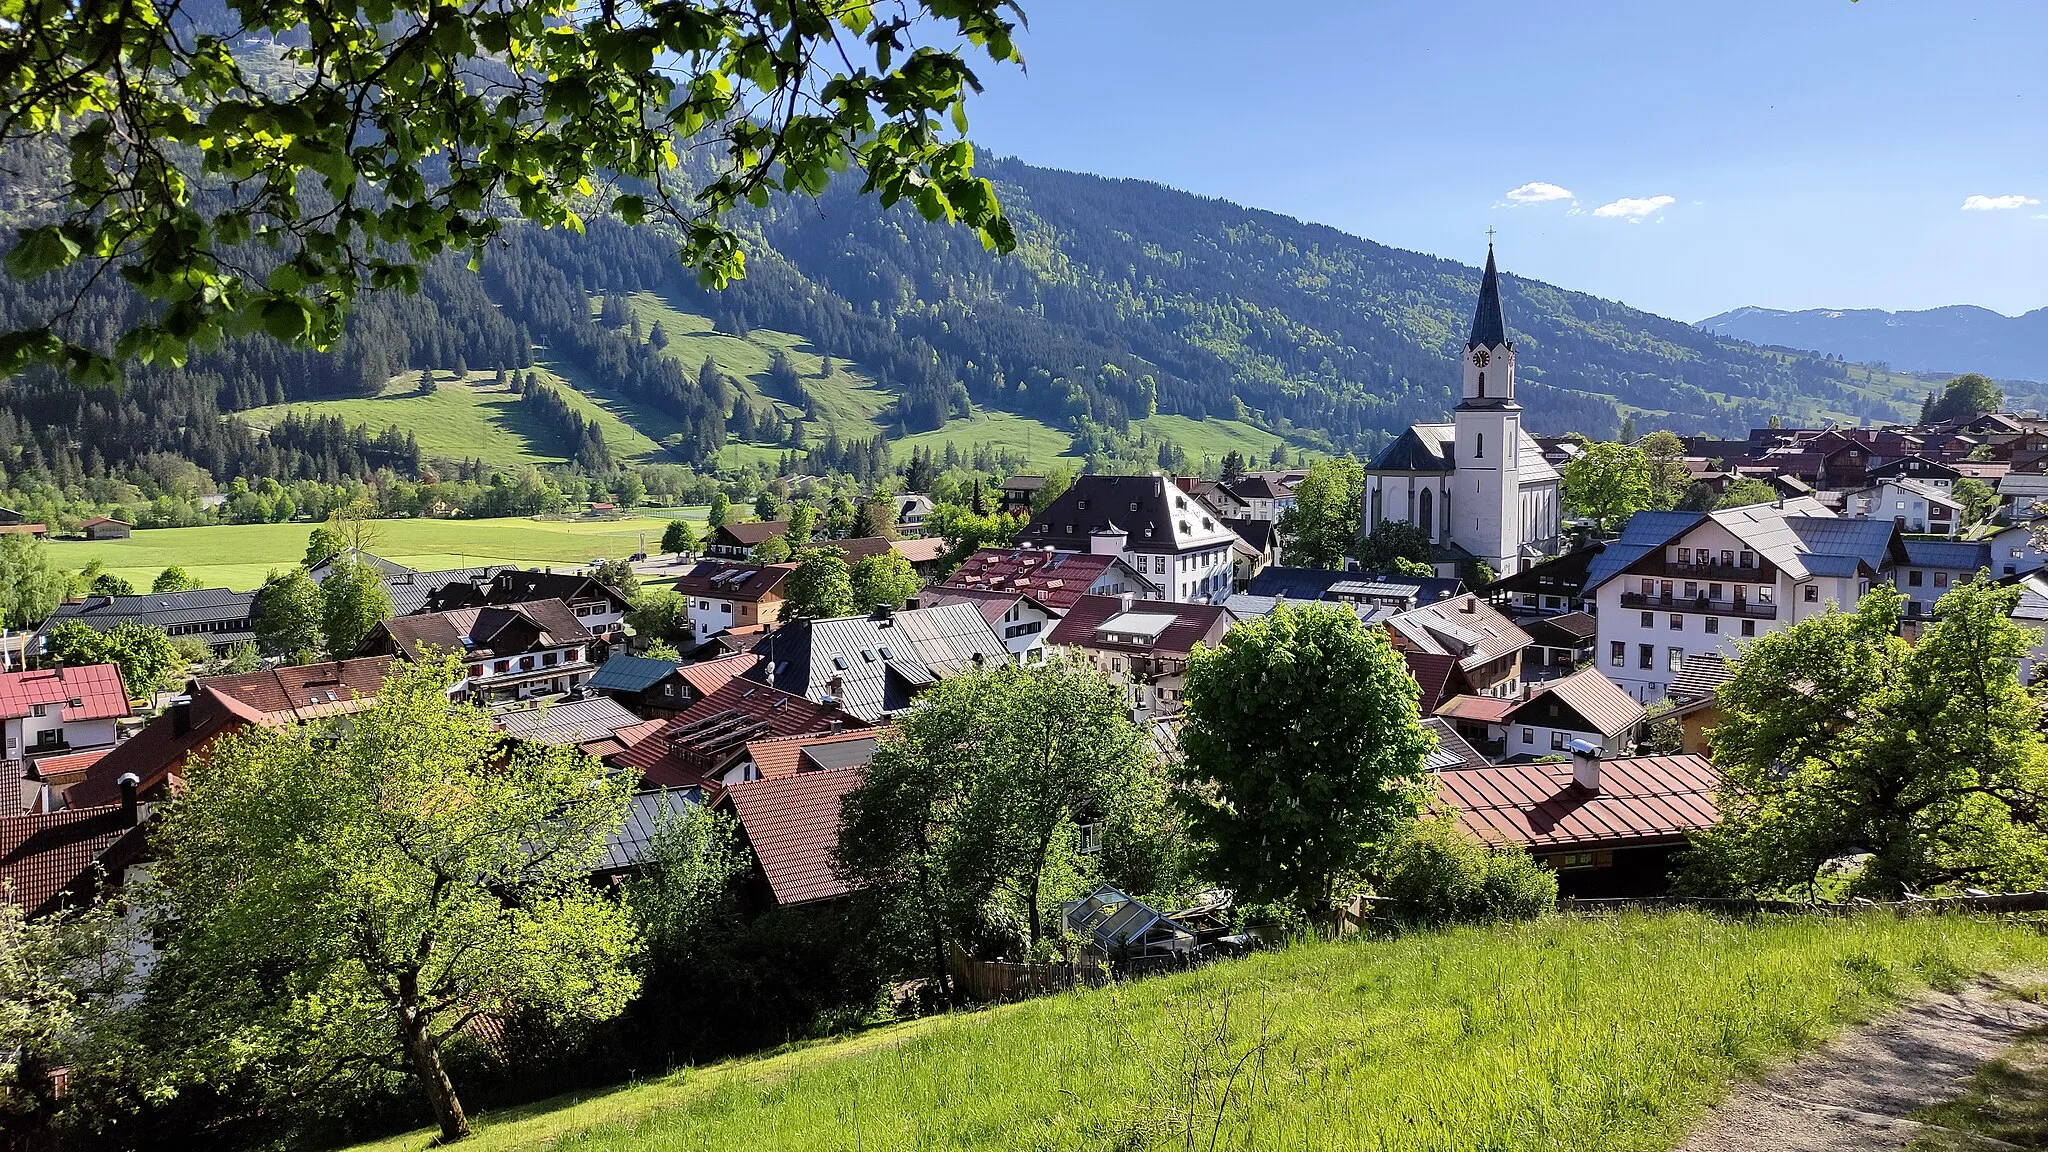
477	418
240	555
1569	1034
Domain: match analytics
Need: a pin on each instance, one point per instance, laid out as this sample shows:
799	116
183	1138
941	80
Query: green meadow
1570	1033
240	555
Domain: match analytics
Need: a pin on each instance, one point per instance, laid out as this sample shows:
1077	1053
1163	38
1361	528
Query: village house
409	588
737	541
873	665
600	607
1915	505
599	726
58	722
1053	578
1178	546
1486	646
1143	645
219	616
1585	706
704	748
510	652
52	861
105	528
1695	699
790	826
1020	620
723	595
1679	583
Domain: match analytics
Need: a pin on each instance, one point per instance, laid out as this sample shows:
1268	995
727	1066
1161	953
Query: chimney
834	684
181	717
1125	597
835	727
1585	764
129	783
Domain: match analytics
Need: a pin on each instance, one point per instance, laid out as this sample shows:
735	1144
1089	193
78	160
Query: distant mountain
1959	338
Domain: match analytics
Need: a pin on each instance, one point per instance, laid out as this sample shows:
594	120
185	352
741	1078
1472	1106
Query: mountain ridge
1950	338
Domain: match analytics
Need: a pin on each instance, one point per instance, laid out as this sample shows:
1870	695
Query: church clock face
1479	358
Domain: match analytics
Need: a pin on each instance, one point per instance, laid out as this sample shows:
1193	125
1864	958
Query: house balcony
1752	609
527	668
1758	573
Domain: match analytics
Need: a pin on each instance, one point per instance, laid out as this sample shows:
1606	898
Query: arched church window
1428	524
1377	516
1482	385
1479	445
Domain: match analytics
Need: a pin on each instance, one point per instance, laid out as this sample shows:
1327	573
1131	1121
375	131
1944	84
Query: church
1478	486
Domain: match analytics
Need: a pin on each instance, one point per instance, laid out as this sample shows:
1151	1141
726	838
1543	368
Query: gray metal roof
1434	448
162	609
570	722
631	673
879	661
1963	555
646	812
1644	533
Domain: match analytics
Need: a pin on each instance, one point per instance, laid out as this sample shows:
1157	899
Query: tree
1979	500
661	616
61	977
427	385
678	537
965	531
1321	526
657	337
1965	398
876	516
617	575
721	509
352	601
1746	491
773	550
108	584
395	876
355	525
1608	483
803	524
322	543
1393	543
145	655
1841	741
173	579
1664	454
31	587
981	791
177	157
820	588
884	578
1233	465
1303	749
288	617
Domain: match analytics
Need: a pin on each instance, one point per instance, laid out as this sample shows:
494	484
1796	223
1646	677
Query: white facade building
1478	485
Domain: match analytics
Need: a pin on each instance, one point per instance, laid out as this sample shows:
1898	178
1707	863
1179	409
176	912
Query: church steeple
1489	328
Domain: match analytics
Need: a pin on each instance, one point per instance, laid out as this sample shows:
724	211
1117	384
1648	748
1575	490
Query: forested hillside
1129	312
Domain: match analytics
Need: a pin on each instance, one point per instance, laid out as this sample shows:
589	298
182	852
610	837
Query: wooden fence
994	980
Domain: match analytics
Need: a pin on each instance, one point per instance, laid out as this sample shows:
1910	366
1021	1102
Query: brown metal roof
1485	709
781	756
1588	692
1701	675
731	580
44	853
1465	627
1193	624
1642	800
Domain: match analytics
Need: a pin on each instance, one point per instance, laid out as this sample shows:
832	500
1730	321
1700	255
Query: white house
1917	506
1585	705
51	712
1479	485
1178	545
1681	583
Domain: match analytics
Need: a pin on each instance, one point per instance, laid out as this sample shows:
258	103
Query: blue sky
1696	155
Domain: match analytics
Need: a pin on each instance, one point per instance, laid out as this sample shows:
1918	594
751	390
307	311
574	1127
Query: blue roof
1644	533
1868	541
631	673
1965	555
1823	564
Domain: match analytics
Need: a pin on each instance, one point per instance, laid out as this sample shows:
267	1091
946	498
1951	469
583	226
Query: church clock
1479	357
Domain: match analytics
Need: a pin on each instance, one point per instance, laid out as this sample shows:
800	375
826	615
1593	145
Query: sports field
240	555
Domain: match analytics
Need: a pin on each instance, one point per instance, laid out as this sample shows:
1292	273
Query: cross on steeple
1489	235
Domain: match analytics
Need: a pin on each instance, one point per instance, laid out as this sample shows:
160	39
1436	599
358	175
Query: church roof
1433	448
1489	327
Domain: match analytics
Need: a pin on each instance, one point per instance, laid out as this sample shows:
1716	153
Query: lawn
1572	1033
240	555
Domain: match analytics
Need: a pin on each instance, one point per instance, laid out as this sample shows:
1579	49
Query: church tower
1487	482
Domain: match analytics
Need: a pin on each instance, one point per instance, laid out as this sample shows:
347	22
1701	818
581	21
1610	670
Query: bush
1436	875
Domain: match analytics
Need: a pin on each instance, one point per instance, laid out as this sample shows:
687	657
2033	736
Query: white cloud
1998	203
1634	207
1537	192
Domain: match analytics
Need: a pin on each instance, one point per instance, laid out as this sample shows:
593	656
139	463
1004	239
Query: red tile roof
24	529
96	687
779	756
1484	709
1055	579
1642	800
711	675
302	692
1432	674
44	853
1193	624
66	768
792	825
705	738
732	580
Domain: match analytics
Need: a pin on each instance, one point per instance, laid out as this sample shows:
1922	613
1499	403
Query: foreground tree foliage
343	899
61	977
31	586
1304	750
359	140
1852	756
970	811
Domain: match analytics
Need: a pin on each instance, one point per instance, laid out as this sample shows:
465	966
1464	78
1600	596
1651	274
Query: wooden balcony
1701	605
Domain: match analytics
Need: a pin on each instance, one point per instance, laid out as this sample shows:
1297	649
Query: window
1713	591
1713	625
42	710
1646	656
1529	736
1685	555
1765	593
1649	619
1941	579
1557	741
1913	578
1727	556
1812	593
1749	627
1617	654
1649	587
1748	559
1677	622
1692	590
1674	658
1665	589
1479	443
725	606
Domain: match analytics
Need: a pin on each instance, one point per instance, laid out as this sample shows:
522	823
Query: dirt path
1854	1094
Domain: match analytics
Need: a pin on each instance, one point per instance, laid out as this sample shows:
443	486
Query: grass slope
477	418
240	555
1571	1033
